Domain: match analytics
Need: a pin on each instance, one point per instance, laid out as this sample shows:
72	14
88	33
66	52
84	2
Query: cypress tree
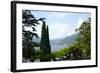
45	44
48	41
48	44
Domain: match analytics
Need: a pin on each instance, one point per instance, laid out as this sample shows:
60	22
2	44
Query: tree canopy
29	21
81	49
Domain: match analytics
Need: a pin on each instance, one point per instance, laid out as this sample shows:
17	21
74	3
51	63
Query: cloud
53	14
55	17
57	31
39	29
60	24
80	20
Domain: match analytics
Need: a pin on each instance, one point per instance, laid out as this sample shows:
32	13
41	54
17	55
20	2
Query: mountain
58	44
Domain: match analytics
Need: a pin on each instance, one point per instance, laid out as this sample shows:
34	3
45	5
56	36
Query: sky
61	24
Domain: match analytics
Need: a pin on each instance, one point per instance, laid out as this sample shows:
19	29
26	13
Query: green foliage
81	48
59	54
45	44
28	20
74	52
45	56
84	37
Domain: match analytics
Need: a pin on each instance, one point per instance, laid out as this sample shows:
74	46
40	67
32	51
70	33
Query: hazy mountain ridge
61	43
58	44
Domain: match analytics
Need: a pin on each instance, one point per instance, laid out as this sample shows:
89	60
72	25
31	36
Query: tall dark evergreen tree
48	41
45	44
29	20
